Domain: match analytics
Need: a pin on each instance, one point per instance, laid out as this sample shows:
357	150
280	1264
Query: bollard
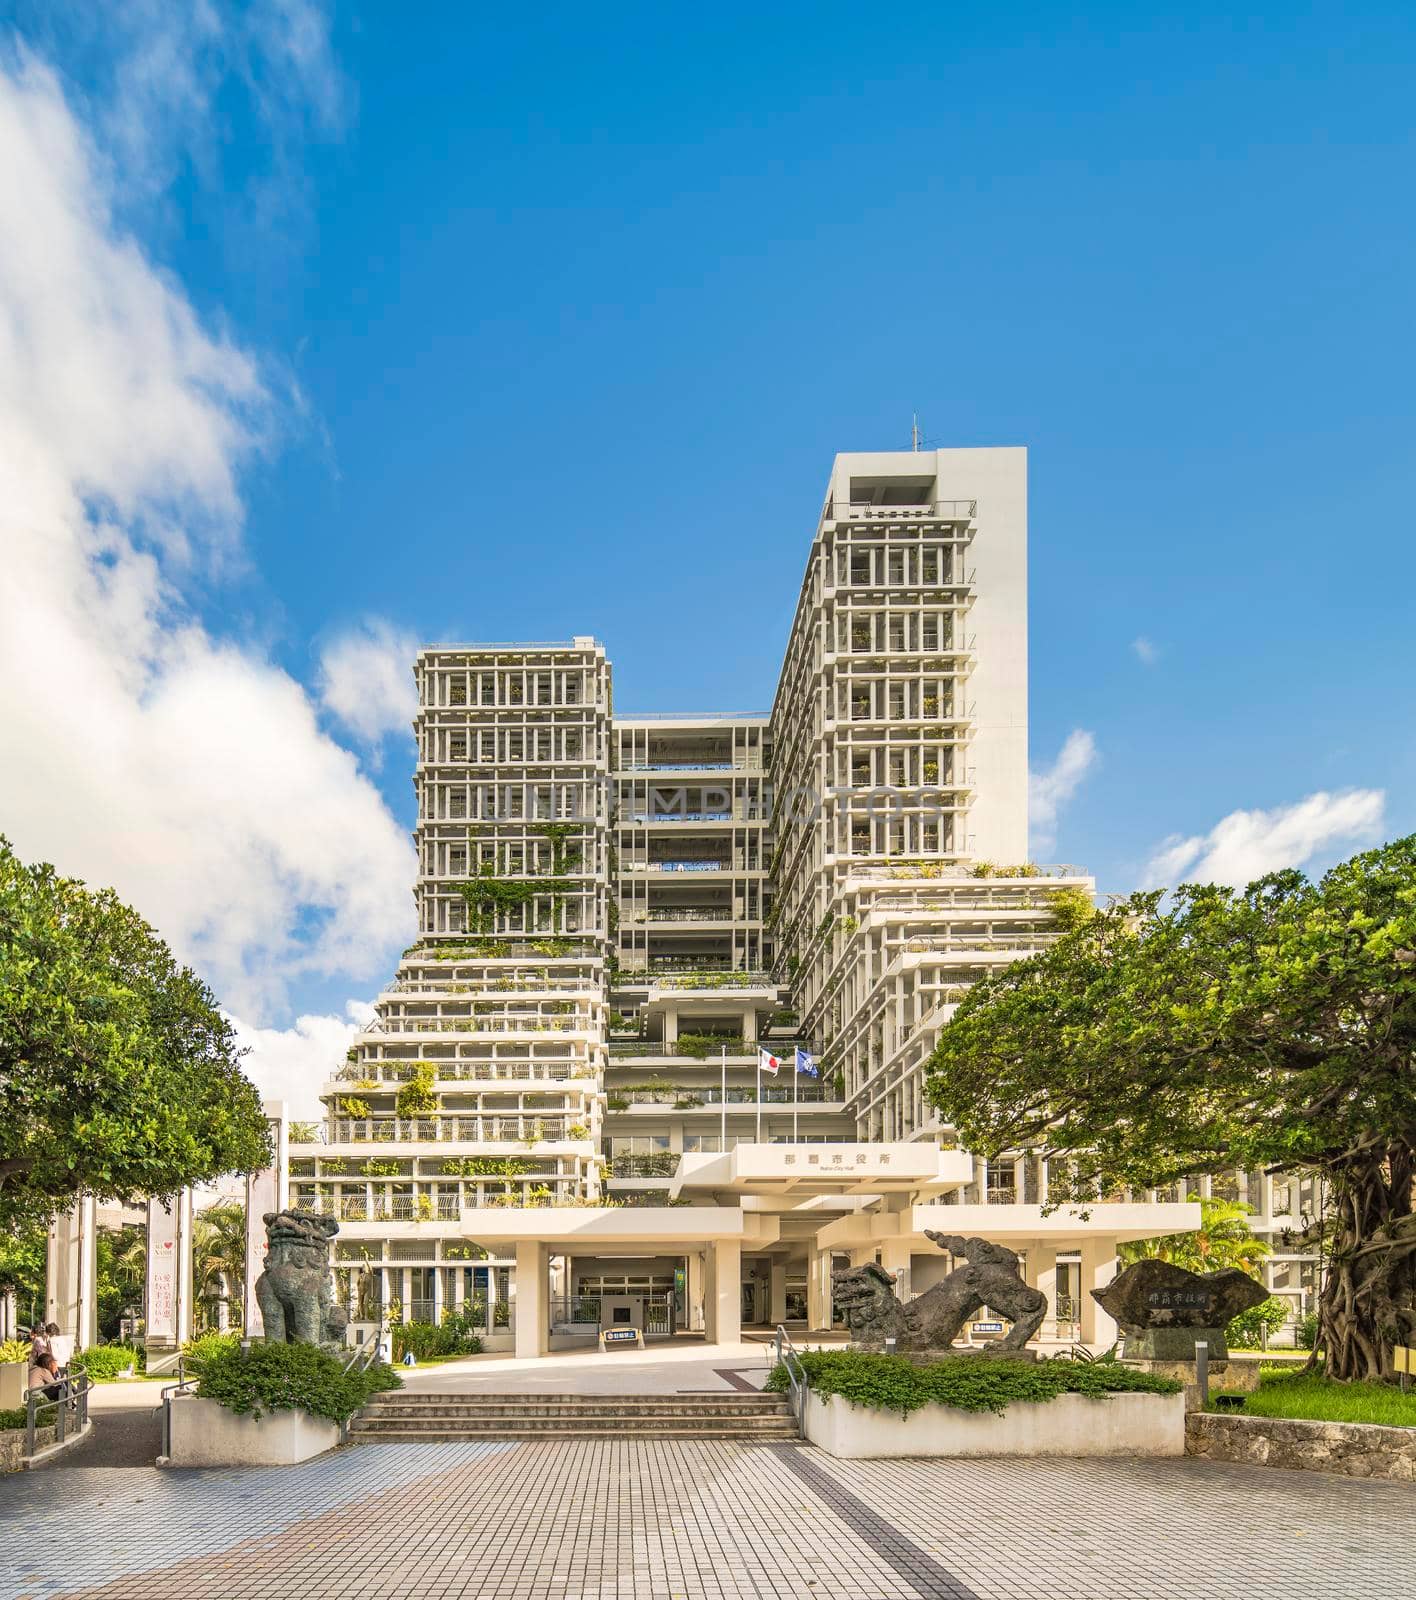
1202	1370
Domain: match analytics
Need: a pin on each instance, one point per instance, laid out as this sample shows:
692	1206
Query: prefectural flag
767	1062
806	1062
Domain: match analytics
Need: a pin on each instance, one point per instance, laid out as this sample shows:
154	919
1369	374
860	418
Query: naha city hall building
656	1060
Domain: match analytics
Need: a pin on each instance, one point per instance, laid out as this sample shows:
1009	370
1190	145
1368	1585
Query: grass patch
1311	1397
968	1383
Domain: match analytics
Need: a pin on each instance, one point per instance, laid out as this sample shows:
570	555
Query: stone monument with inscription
1163	1311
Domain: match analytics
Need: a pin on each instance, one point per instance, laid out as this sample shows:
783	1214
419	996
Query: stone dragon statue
933	1320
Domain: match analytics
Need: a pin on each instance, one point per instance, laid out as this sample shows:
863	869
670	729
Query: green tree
23	1253
118	1075
219	1252
1267	1028
1223	1239
121	1258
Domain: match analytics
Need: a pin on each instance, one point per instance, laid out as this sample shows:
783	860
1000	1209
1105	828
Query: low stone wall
1070	1425
12	1446
1354	1449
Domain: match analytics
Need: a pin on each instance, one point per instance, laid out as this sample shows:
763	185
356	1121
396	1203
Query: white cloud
140	750
1147	651
1050	789
366	680
290	1064
1247	844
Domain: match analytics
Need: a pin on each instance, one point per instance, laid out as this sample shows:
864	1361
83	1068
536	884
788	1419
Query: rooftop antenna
914	431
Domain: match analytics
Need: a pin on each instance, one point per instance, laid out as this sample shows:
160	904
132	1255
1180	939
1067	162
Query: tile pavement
700	1520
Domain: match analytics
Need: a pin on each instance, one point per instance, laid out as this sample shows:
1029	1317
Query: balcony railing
527	1071
929	511
480	1025
666	974
693	1099
527	1129
687	914
709	865
662	1164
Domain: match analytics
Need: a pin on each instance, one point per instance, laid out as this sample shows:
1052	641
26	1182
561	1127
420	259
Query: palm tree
1222	1240
219	1252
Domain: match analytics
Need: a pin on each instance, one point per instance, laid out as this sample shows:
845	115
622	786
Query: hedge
289	1377
968	1383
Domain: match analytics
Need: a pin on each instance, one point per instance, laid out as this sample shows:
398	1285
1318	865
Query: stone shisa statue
294	1292
989	1276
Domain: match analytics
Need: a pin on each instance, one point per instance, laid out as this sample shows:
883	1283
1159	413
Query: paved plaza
632	1520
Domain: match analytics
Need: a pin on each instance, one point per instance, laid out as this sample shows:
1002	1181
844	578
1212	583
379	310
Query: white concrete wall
205	1434
1070	1425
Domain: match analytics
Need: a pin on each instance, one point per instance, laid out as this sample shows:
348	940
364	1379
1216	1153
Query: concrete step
511	1420
441	1417
500	1436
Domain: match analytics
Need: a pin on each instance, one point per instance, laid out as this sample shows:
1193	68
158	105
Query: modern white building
559	1118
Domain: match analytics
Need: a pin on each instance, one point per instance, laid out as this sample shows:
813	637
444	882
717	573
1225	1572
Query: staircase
441	1418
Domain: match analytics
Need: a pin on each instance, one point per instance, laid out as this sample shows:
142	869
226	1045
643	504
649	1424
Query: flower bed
964	1382
866	1406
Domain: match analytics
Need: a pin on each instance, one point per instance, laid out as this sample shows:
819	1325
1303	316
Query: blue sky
616	283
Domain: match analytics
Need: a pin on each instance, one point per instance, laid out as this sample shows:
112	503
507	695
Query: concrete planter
1351	1449
12	1446
13	1375
205	1434
1070	1425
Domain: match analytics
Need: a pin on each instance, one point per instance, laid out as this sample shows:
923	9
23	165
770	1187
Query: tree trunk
1369	1294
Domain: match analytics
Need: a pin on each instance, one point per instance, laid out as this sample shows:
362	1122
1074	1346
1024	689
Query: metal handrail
73	1393
788	1357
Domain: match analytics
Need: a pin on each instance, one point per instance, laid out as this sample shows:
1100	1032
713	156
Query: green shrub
289	1377
1247	1330
1308	1331
968	1383
454	1336
197	1352
15	1418
104	1363
14	1350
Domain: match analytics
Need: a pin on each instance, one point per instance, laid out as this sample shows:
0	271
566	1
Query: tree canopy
1270	1028
1222	1240
119	1077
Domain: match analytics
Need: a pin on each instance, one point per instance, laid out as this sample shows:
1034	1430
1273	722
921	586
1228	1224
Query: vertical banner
267	1190
162	1269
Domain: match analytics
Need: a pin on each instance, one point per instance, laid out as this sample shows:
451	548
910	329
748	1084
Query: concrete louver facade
557	1103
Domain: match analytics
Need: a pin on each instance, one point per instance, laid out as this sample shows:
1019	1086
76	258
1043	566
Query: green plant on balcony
850	925
701	1045
536	1135
301	1169
423	1208
304	1132
616	1102
463	1250
688	1102
577	1130
417	1096
931	772
838	1083
373	1168
352	1105
333	1166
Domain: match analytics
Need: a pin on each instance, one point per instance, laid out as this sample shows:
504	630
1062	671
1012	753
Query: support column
727	1292
818	1291
438	1296
1098	1269
895	1257
777	1291
266	1190
532	1301
1040	1272
71	1275
697	1307
168	1307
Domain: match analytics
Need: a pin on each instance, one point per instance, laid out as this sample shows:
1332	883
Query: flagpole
723	1138
796	1073
759	1094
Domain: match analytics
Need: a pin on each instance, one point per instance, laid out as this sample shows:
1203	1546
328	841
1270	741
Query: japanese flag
767	1062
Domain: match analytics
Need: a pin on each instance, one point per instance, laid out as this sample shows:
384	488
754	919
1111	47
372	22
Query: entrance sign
162	1271
611	1337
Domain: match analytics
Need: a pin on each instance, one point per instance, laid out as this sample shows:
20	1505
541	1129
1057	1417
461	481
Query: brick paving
699	1520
